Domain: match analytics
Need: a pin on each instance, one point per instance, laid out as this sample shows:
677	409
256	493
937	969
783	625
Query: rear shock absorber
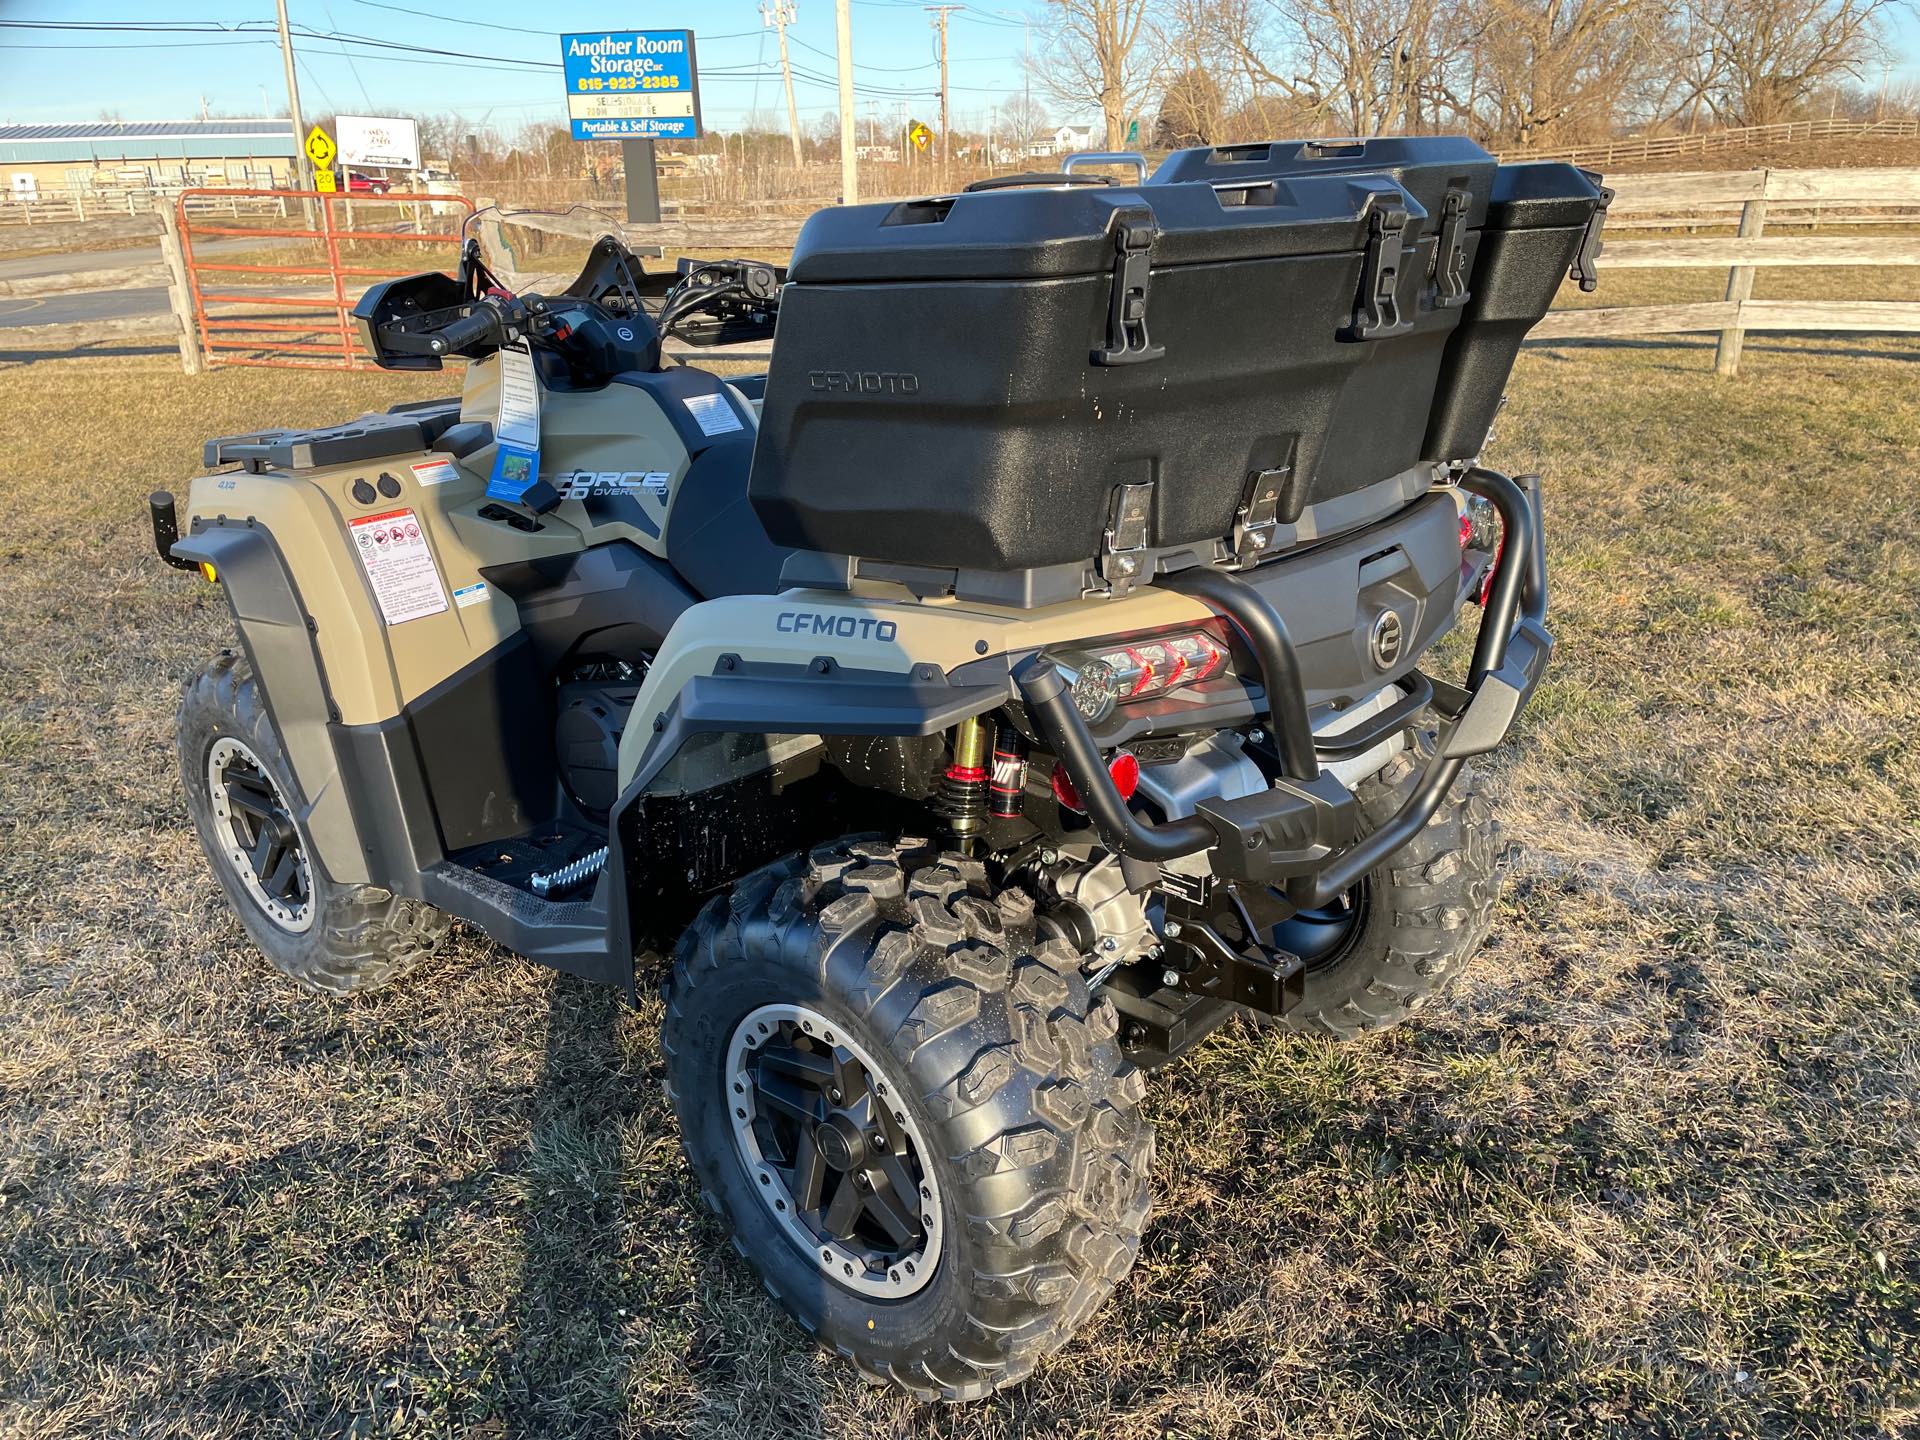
1007	790
962	800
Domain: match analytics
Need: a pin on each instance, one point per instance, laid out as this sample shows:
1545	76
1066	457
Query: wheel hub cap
833	1153
254	827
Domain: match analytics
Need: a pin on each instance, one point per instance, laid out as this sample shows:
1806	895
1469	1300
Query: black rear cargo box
1542	215
970	391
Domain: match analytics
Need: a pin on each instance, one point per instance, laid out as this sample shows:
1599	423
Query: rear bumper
1301	835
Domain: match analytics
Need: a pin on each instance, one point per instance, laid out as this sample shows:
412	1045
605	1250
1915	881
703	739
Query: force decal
584	484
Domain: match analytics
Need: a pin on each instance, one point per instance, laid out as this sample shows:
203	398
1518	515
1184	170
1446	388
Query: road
83	307
34	267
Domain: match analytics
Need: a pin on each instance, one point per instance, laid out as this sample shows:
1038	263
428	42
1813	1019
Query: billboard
379	142
637	84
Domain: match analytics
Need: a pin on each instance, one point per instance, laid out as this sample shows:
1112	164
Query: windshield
538	250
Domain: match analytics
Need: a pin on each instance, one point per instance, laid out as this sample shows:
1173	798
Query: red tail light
1140	669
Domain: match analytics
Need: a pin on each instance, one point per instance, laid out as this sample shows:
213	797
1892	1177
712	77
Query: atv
1019	679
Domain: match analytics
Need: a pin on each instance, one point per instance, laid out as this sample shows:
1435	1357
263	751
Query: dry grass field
1654	1169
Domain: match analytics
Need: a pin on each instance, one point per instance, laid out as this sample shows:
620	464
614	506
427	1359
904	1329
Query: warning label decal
399	566
434	472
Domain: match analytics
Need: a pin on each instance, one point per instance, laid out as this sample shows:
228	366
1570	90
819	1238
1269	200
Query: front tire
1008	1110
246	807
1410	926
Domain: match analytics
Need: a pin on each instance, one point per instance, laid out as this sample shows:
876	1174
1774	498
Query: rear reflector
1124	769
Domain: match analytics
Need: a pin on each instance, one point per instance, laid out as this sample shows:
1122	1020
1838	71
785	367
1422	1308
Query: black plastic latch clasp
1585	270
1127	339
1450	252
1378	317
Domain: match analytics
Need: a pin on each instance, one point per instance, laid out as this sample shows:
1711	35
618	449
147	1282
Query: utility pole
780	14
301	167
940	12
849	167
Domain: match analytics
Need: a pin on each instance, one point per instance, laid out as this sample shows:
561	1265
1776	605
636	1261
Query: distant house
1064	141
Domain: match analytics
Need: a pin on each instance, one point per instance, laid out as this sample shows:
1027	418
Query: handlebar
481	324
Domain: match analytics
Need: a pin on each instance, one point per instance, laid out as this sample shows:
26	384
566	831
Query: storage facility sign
632	84
378	142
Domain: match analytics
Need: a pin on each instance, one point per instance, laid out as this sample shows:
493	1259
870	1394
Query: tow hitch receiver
1212	945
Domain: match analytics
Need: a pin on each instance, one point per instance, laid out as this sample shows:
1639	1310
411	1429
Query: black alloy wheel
839	1164
258	836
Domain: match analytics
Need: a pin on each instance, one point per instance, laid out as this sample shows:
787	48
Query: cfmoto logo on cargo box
841	627
864	382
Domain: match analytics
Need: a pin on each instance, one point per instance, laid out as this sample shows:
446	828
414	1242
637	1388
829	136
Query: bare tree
1192	111
1366	66
1764	58
1555	70
1105	52
1023	121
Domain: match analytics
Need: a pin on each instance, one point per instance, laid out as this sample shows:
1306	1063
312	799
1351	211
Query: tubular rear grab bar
1300	833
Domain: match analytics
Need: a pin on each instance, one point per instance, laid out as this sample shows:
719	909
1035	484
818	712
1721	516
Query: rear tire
330	937
1424	912
1009	1081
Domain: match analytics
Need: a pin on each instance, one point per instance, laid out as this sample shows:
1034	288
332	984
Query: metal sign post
643	182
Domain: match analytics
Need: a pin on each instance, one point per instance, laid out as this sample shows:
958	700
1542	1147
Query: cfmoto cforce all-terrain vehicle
1017	680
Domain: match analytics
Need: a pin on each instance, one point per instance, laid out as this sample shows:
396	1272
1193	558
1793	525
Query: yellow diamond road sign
320	147
920	136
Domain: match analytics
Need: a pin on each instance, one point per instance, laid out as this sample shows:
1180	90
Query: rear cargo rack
371	437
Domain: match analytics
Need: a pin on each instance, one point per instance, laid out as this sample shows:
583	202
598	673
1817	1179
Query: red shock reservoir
1006	790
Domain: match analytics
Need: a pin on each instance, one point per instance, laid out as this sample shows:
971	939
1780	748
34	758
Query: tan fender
883	629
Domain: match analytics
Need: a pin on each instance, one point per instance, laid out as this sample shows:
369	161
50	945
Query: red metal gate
300	315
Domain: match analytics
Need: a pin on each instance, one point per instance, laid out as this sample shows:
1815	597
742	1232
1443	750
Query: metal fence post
1753	219
179	298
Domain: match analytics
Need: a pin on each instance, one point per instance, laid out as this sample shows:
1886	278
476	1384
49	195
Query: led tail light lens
1480	526
1144	668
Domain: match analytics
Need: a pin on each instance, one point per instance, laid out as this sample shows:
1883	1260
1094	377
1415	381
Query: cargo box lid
1540	194
1067	230
1426	166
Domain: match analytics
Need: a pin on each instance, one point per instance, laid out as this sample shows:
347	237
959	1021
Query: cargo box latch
1450	252
1378	315
1127	340
1585	270
1123	550
1258	521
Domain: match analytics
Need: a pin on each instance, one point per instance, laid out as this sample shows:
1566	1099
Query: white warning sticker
474	594
713	414
399	566
435	472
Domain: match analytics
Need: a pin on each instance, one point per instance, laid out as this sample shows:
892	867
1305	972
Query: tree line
1518	74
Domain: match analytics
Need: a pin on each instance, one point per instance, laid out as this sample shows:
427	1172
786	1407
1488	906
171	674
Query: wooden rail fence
1676	201
1669	203
1641	148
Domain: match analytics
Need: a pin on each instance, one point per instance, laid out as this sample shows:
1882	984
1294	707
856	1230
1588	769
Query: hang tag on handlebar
519	416
516	457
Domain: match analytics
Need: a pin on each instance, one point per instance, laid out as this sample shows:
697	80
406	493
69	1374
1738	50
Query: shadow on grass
567	1370
96	351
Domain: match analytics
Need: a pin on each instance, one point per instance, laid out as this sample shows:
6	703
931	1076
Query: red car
367	184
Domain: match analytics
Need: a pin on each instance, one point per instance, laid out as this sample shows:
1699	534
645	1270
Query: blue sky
159	75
